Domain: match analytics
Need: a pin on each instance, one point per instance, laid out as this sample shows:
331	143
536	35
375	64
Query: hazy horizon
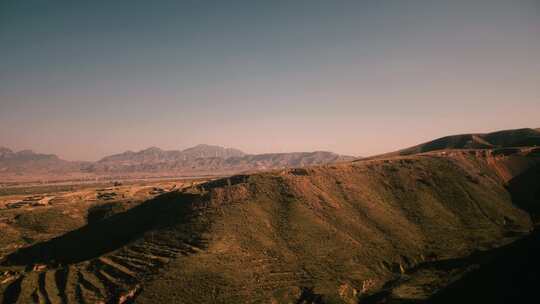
85	79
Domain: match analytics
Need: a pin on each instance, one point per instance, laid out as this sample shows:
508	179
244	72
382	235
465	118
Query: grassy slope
334	232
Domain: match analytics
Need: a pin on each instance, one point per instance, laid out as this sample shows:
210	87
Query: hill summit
525	137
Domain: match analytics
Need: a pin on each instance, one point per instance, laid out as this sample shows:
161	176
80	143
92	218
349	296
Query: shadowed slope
106	261
511	275
525	190
111	233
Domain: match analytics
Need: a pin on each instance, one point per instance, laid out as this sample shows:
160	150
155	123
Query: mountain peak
204	146
26	152
205	151
151	150
8	155
5	152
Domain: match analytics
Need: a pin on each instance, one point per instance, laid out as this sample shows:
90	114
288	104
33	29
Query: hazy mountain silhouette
200	159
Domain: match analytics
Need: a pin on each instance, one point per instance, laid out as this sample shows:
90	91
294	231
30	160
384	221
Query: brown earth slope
525	137
329	234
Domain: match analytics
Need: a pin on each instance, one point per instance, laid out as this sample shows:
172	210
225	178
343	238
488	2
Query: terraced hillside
343	233
29	215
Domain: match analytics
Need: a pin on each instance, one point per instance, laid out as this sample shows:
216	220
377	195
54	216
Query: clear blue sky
84	79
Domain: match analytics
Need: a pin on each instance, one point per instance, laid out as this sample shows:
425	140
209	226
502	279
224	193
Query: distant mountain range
198	160
156	155
27	161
